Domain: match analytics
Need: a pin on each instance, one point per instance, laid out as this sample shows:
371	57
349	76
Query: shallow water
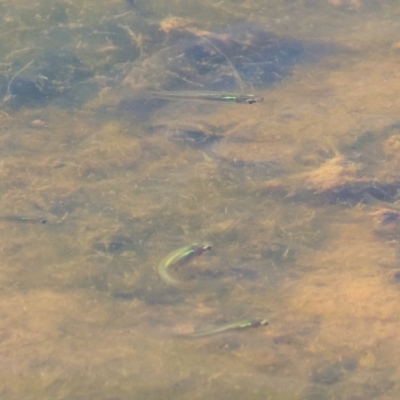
297	194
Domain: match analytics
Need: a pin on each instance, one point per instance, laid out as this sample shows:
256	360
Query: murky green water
297	194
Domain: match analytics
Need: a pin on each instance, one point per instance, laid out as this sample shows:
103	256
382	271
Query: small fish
179	257
236	98
23	218
240	325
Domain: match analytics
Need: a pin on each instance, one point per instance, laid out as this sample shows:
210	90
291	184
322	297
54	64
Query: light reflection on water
297	195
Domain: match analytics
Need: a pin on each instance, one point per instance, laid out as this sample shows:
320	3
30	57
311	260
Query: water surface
297	194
